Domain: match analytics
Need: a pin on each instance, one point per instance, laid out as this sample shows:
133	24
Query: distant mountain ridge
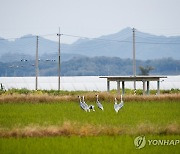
119	44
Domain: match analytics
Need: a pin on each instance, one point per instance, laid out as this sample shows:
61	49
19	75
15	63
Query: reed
69	128
103	96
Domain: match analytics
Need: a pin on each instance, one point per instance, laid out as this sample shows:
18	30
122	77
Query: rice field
76	144
53	125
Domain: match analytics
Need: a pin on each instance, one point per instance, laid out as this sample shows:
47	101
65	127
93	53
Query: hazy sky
91	18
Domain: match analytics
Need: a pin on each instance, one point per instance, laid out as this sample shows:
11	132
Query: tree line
95	66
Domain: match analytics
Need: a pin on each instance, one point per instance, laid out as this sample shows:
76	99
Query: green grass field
75	144
63	127
132	114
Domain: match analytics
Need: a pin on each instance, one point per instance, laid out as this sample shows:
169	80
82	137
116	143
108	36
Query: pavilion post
148	91
158	87
118	87
108	85
144	87
123	87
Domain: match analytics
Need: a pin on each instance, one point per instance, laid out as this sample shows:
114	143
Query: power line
121	41
178	43
89	38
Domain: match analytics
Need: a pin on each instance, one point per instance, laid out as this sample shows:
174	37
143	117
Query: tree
145	70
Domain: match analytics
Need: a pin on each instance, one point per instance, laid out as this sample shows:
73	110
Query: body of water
81	83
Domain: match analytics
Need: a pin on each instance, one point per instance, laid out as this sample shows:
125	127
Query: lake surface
81	83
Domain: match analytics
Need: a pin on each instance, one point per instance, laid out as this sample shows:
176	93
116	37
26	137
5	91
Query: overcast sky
91	18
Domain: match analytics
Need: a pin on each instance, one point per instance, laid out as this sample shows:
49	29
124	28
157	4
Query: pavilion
144	79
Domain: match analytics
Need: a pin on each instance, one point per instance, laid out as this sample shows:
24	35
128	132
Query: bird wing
86	104
116	107
83	106
121	105
100	105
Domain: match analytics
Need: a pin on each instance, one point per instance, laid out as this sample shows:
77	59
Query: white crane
82	104
86	106
89	107
121	104
117	106
99	104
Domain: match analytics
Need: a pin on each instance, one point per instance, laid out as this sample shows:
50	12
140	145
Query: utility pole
37	68
134	59
59	61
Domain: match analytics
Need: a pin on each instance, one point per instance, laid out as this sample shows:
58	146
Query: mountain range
148	46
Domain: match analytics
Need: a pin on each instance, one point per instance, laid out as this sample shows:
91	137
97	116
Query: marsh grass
79	92
90	96
75	129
